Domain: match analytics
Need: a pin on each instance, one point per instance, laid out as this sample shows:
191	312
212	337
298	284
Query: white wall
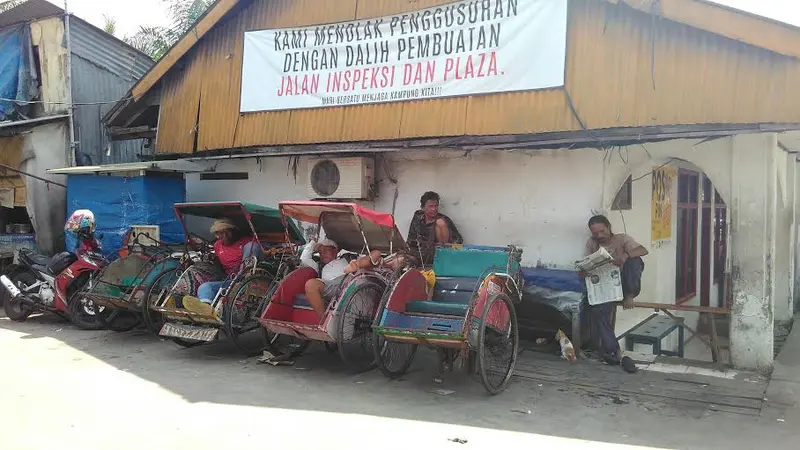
541	200
46	148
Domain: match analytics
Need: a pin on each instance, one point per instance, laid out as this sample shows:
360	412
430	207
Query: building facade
670	119
63	75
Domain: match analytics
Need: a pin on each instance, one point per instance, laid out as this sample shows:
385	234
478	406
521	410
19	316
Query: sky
131	14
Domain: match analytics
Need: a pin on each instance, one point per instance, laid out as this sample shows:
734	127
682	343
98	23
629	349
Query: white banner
464	48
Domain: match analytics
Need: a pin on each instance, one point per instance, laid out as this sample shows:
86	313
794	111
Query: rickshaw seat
451	297
301	302
441	308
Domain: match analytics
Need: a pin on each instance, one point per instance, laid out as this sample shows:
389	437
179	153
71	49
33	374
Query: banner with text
661	203
464	48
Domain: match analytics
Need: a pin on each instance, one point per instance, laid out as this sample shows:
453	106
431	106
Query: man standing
627	254
430	228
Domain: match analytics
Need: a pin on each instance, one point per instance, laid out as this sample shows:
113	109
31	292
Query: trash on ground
269	358
458	440
521	411
443	391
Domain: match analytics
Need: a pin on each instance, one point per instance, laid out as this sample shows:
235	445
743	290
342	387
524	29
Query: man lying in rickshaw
334	271
231	248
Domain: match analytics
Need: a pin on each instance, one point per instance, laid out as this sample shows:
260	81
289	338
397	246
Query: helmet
81	222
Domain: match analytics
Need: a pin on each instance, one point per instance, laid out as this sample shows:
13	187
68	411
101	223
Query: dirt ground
63	388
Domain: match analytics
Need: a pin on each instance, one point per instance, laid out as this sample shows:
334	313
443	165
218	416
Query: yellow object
195	305
430	277
661	204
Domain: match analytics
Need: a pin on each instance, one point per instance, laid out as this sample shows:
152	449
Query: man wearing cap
231	249
334	271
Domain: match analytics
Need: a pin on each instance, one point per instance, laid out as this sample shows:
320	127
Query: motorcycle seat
34	258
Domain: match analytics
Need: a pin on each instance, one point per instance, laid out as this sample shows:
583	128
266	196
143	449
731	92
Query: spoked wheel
283	344
160	287
393	358
356	340
242	312
121	321
83	313
498	343
14	308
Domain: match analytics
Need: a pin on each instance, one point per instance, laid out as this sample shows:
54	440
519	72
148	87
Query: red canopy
344	222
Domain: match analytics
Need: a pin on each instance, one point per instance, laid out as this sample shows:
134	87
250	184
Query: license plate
10	286
190	332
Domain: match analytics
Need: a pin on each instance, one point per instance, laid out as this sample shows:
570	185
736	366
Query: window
720	238
686	238
624	199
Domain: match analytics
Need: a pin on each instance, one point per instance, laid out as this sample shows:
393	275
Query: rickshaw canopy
344	223
266	222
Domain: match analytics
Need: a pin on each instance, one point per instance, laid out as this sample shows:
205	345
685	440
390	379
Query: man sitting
334	271
627	254
430	228
230	249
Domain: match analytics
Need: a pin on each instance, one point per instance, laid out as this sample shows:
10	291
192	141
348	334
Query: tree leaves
157	40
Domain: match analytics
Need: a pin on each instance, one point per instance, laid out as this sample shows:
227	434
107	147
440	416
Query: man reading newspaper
626	254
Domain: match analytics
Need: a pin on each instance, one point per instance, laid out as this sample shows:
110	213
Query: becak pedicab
467	311
122	287
351	298
225	288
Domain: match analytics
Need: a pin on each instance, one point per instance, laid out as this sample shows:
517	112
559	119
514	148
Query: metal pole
5	167
71	153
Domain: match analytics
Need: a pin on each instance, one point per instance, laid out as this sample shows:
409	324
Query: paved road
67	389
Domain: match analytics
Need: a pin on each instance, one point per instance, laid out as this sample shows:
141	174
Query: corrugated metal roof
106	51
30	10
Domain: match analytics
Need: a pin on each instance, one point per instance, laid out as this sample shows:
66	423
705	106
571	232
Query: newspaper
603	279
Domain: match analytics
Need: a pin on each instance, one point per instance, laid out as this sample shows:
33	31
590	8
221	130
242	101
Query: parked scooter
39	283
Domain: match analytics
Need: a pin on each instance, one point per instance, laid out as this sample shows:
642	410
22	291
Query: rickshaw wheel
331	347
242	312
497	349
393	358
355	340
121	321
152	319
283	344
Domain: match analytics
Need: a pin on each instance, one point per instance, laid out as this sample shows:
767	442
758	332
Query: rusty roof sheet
28	11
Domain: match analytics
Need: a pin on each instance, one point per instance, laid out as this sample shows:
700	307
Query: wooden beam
731	23
685	308
182	47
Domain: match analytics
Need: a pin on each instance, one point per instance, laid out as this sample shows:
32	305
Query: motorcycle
43	284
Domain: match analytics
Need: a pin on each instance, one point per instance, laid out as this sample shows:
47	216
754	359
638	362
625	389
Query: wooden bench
652	331
667	308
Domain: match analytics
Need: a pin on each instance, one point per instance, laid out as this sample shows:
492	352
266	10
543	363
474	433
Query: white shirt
330	271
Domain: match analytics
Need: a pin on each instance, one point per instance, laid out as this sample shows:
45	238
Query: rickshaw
469	313
290	322
239	303
121	287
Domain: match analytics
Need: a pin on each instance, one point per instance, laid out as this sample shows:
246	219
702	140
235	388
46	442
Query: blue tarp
15	82
560	280
119	202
